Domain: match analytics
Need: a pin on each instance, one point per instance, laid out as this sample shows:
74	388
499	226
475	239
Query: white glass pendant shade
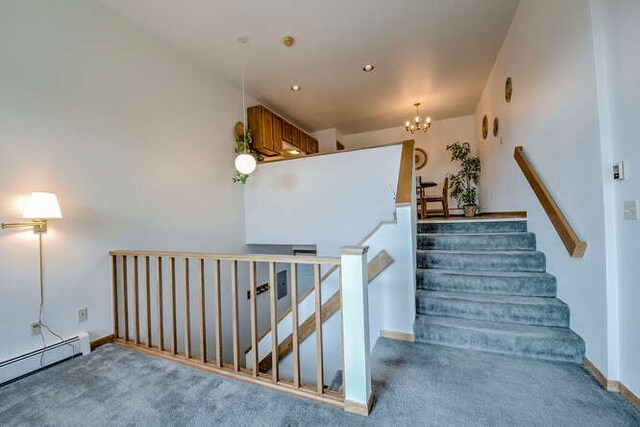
245	163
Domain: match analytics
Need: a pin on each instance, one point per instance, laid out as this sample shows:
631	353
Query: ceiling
436	52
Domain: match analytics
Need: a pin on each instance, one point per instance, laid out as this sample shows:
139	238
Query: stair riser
525	314
473	227
526	262
542	287
486	340
478	242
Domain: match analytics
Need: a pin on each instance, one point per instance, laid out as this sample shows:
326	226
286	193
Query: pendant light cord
244	108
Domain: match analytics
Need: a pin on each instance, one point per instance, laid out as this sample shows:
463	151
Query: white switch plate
83	314
631	210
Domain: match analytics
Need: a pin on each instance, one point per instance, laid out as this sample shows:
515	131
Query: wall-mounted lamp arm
39	225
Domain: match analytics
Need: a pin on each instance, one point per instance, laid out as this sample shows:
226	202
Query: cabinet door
314	146
304	142
277	134
287	131
295	137
267	130
260	123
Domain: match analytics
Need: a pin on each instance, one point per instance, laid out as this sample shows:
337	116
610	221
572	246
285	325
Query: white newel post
355	329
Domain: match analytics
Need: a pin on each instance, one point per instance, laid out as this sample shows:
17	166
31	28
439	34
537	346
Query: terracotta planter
470	210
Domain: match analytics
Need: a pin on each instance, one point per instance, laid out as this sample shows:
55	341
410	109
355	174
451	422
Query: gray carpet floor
414	384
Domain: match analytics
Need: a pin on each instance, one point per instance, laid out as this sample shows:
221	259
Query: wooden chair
444	200
420	198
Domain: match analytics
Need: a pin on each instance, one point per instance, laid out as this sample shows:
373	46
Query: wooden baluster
114	294
160	307
174	334
254	325
203	319
218	319
125	297
294	326
274	322
234	315
341	327
187	312
319	359
147	287
136	306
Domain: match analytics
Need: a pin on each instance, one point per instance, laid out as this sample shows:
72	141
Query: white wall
617	34
329	201
554	116
326	140
136	142
434	143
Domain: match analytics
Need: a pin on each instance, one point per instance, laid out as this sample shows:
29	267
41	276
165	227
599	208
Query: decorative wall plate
496	126
508	89
238	130
485	127
421	158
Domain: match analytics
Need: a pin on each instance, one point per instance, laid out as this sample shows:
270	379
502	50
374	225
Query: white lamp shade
245	163
42	206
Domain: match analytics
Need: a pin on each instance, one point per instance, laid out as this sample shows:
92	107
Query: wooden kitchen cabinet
307	144
277	123
261	124
295	137
287	130
315	148
270	130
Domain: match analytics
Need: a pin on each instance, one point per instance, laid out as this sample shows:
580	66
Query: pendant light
245	163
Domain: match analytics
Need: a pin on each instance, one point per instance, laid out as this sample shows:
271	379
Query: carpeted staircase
482	285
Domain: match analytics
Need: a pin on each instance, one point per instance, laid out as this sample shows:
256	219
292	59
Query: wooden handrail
374	268
232	257
405	187
574	245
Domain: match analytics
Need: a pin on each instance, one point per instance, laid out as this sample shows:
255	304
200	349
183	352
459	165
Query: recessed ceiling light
295	88
368	68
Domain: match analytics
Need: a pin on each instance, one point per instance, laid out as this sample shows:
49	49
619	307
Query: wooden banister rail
574	245
130	300
405	187
374	268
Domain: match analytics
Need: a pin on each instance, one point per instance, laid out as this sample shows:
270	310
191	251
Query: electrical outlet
35	328
83	314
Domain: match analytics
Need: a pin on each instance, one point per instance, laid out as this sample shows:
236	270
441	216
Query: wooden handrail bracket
574	245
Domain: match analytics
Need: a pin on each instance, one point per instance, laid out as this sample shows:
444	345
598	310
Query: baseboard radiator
26	363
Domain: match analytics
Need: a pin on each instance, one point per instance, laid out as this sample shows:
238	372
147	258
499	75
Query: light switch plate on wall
631	210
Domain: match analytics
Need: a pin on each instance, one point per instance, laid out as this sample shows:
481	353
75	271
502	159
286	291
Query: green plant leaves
464	184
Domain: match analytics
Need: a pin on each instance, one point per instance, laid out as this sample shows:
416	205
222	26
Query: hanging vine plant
244	146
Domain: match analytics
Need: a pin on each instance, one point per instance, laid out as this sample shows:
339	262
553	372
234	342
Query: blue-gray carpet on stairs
414	384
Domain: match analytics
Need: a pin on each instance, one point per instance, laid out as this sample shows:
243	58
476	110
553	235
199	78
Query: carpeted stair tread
526	310
482	260
498	282
477	241
540	342
481	226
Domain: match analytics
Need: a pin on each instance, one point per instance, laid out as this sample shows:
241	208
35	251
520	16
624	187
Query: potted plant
464	184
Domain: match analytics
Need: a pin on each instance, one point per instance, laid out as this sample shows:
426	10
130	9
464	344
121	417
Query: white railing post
355	330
